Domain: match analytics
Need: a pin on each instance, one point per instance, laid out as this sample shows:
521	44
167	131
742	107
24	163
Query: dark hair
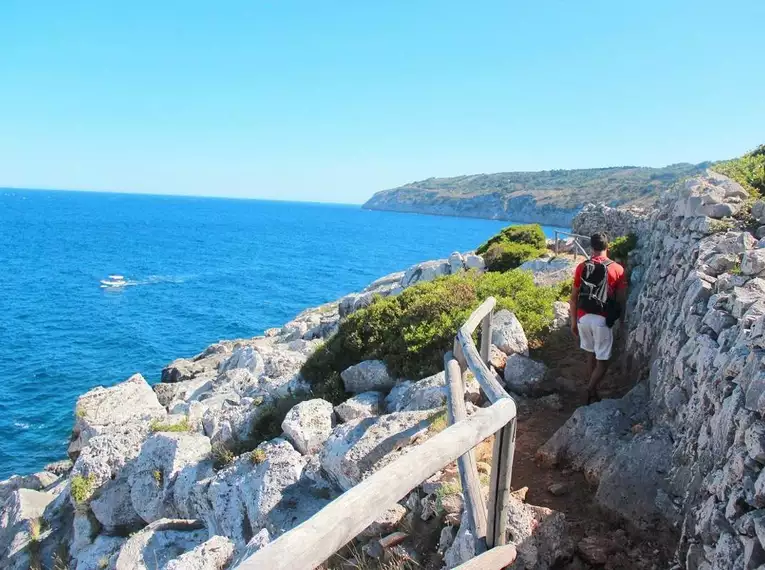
599	242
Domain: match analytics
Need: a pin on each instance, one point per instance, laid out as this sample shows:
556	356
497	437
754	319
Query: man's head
599	243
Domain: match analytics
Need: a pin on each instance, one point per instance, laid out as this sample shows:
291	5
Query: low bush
507	256
221	455
530	234
411	331
619	249
748	170
81	488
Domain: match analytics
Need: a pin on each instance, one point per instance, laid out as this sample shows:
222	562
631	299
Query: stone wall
601	218
686	447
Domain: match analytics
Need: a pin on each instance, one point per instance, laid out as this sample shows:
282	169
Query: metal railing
311	543
578	247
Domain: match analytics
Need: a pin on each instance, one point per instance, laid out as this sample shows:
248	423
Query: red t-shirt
617	280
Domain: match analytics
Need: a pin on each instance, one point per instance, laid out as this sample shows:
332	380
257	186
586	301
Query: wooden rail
314	541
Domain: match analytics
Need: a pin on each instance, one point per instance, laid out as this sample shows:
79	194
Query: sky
332	101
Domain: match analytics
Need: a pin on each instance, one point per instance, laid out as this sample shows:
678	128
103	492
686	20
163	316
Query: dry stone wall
686	447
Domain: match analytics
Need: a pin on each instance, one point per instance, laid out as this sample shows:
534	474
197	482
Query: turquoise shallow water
201	270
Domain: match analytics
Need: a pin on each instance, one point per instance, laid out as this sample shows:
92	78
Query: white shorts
595	336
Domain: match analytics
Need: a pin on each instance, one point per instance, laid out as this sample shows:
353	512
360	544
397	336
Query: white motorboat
114	281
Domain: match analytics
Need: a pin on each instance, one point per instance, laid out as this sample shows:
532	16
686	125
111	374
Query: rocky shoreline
176	476
157	476
521	209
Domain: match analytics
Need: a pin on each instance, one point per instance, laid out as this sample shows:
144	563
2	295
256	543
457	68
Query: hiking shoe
592	397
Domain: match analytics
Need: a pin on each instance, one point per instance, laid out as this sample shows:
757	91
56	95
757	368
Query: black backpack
593	293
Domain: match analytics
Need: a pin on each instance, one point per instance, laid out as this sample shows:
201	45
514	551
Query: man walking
598	299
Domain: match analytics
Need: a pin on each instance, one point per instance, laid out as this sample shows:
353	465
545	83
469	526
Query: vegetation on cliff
411	332
512	246
748	170
570	189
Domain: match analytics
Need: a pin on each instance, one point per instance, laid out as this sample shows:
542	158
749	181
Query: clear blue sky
332	101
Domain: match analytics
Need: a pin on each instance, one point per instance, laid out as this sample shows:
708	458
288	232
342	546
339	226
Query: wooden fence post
475	505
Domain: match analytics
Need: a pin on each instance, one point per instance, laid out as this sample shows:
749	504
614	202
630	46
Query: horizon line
166	195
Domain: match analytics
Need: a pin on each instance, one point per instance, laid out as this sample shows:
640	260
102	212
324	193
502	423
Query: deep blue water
206	269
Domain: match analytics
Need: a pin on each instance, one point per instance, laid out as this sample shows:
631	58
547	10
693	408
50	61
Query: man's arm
573	309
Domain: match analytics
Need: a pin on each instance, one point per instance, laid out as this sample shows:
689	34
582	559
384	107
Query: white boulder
362	405
358	448
156	545
366	376
163	475
102	410
507	333
308	425
213	554
523	374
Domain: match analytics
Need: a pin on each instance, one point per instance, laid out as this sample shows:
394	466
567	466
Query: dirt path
537	423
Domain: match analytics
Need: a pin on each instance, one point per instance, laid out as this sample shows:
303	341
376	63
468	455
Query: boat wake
118	282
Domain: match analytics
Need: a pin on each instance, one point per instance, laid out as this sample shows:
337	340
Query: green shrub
506	256
81	488
221	455
530	234
411	331
182	425
619	249
748	170
258	456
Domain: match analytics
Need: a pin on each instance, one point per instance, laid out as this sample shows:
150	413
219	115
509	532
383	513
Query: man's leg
591	363
601	367
604	340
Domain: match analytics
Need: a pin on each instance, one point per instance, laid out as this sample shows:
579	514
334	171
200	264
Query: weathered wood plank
491	517
504	463
475	318
315	540
486	337
471	486
486	378
494	559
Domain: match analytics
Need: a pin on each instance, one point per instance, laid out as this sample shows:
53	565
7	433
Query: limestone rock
163	475
507	333
362	405
263	489
755	441
101	553
261	539
474	262
522	374
549	271
213	554
308	425
540	535
426	394
426	271
370	375
753	262
561	315
591	437
462	547
396	400
358	448
22	509
36	482
103	410
159	543
630	483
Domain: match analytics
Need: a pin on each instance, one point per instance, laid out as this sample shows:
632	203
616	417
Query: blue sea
201	269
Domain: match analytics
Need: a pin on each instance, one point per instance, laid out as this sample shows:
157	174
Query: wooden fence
314	541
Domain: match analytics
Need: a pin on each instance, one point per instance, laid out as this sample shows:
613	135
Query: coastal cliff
236	446
549	197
